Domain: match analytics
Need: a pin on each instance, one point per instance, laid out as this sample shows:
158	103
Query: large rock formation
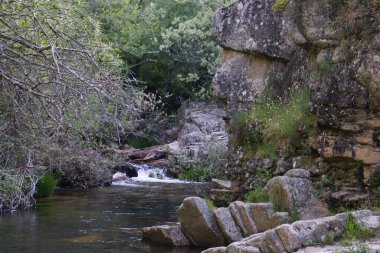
290	238
333	48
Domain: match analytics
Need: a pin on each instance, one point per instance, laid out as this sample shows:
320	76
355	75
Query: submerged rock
166	234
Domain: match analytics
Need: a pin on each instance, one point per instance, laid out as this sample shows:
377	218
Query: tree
53	81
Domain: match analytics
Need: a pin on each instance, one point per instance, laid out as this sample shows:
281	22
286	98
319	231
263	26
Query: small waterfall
146	173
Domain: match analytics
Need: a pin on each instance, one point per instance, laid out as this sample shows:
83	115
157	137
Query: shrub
46	186
257	195
193	174
79	168
16	189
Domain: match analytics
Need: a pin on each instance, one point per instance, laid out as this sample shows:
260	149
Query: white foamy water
147	173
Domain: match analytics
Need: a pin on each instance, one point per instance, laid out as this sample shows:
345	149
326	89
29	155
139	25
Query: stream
98	220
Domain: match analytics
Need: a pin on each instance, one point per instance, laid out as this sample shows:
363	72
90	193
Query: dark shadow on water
95	221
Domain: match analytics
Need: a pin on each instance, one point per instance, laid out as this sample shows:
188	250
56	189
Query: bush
193	174
16	190
79	168
257	195
46	186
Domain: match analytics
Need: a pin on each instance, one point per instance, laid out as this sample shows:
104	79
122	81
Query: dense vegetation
78	76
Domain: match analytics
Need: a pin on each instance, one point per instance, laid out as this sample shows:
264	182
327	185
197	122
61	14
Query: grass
46	186
330	238
354	231
210	205
278	124
257	195
294	217
193	174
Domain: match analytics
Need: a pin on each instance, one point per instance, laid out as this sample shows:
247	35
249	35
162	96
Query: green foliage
193	174
210	205
280	5
46	185
257	195
280	124
139	142
325	180
167	45
355	231
294	217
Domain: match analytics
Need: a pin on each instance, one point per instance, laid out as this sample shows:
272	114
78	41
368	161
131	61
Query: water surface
96	221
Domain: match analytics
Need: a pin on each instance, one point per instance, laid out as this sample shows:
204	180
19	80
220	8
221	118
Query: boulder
198	223
253	27
290	237
166	234
221	184
293	193
118	176
227	225
265	218
242	214
221	197
215	250
127	168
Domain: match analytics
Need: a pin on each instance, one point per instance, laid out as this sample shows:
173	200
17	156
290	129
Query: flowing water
98	220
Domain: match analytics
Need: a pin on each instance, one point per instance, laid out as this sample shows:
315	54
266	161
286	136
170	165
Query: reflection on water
96	221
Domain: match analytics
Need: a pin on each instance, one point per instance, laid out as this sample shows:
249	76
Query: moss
280	5
210	205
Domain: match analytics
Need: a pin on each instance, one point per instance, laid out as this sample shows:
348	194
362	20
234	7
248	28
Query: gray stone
221	184
242	214
253	27
168	235
221	197
227	225
265	218
198	223
289	237
215	250
300	173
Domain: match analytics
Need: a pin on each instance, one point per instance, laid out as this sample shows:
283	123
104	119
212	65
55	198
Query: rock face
290	238
331	47
198	223
201	128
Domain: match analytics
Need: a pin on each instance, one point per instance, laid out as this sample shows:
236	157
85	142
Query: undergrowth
257	195
354	232
278	125
46	186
